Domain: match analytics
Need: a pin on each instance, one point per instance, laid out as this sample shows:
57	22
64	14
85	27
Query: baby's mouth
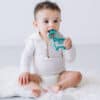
51	29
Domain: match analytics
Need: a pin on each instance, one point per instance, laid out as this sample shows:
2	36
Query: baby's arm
25	62
70	52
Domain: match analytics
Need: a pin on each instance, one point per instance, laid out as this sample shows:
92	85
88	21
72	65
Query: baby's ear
34	24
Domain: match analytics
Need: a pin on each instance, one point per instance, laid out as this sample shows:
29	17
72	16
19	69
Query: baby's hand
68	43
24	78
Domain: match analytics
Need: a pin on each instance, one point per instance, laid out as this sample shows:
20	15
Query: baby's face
47	19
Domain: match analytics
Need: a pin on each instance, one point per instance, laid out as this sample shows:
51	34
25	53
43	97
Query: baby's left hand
68	43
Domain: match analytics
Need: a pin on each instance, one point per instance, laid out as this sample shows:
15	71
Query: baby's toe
55	88
36	92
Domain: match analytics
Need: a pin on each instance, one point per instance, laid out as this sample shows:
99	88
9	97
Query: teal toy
56	40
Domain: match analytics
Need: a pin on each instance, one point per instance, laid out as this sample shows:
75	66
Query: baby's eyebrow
45	17
57	17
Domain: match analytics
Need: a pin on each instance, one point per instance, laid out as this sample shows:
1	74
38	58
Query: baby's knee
35	78
78	76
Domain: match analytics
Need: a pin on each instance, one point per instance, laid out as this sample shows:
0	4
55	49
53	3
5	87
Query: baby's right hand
24	78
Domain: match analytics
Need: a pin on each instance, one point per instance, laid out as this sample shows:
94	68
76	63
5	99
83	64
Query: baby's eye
46	21
55	21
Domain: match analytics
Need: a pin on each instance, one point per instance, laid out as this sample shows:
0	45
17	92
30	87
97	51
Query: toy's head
56	40
51	33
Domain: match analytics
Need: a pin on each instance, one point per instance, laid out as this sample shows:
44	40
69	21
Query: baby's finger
21	80
27	79
69	42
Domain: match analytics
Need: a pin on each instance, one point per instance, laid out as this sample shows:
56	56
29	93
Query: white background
80	20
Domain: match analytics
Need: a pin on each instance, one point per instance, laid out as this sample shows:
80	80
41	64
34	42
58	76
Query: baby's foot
36	89
56	88
36	92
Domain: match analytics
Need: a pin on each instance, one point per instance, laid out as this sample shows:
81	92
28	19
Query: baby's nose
51	26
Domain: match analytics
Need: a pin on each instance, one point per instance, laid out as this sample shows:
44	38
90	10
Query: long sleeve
69	55
27	56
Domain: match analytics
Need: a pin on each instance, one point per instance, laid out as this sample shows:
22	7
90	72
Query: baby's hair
46	5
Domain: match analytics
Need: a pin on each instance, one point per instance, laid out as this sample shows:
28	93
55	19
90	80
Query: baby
48	64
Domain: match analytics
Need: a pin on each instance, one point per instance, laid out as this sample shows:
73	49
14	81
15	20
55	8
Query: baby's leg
34	84
35	78
67	79
35	81
36	89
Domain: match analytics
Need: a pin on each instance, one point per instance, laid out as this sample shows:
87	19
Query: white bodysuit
47	62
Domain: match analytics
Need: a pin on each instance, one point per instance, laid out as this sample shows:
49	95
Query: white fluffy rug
89	89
